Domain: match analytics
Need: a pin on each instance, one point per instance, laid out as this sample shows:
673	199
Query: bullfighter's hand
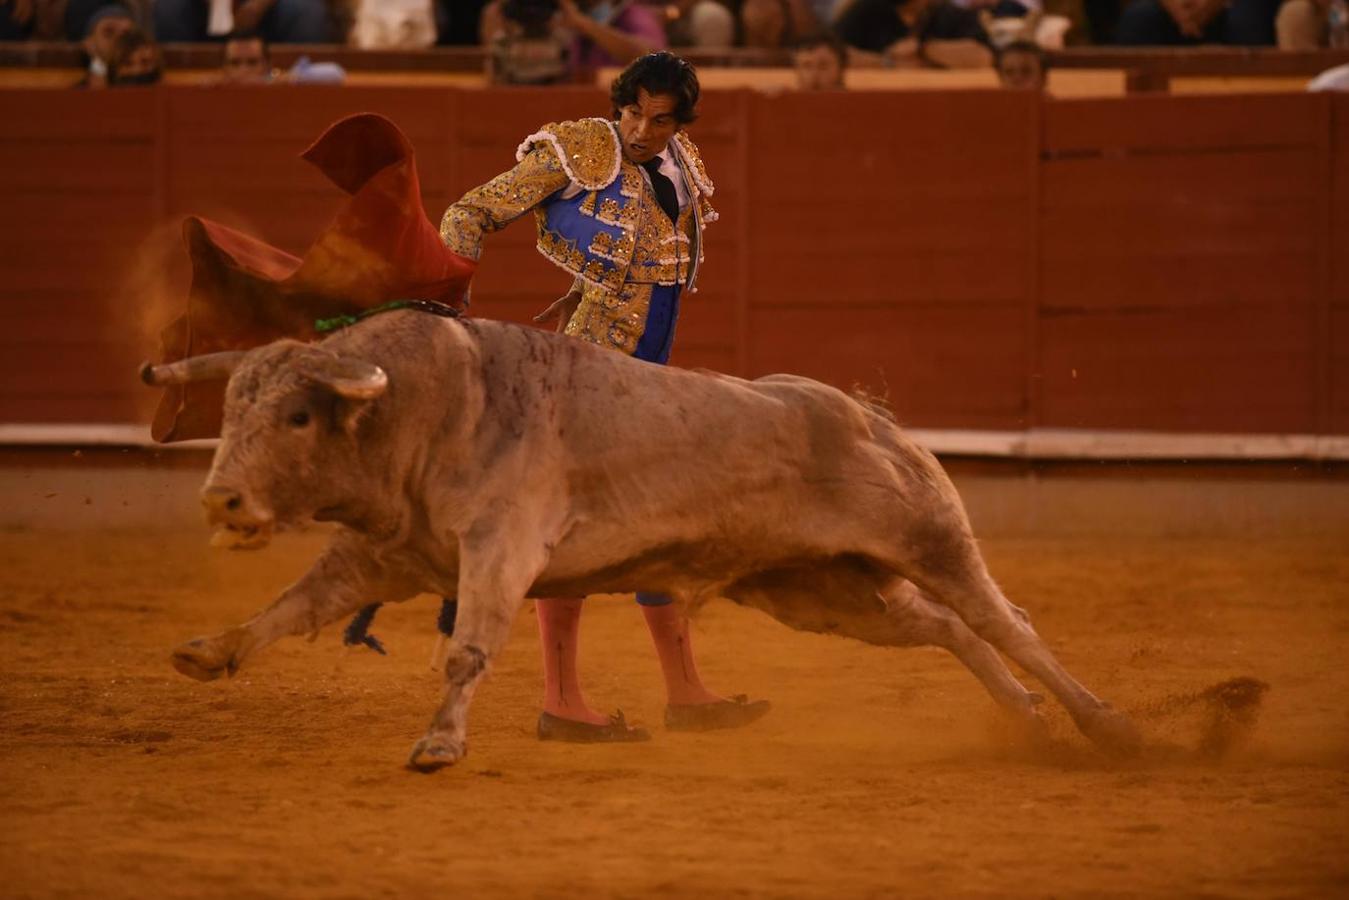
562	309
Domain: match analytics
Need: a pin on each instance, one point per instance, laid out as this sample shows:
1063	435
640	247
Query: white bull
490	462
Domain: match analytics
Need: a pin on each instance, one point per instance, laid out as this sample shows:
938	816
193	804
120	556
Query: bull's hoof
1113	732
207	658
436	751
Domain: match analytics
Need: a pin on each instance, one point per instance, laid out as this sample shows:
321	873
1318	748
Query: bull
489	462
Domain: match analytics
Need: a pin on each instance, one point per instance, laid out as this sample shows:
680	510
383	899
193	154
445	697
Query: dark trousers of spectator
1243	23
287	22
1102	19
11	30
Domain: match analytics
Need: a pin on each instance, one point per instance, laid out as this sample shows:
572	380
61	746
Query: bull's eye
299	419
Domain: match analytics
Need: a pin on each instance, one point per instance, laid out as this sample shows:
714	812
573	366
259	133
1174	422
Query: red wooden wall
988	259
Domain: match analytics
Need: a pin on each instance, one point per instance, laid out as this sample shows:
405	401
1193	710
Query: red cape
245	292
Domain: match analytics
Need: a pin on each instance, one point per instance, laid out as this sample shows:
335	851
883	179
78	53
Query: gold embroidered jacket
597	218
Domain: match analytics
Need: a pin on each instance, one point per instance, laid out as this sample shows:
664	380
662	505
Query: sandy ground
878	773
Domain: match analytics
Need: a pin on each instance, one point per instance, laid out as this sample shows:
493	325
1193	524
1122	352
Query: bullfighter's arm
501	201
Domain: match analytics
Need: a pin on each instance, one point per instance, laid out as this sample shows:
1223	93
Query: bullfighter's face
290	441
647	125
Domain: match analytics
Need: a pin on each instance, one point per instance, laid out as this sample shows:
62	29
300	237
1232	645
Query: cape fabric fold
380	247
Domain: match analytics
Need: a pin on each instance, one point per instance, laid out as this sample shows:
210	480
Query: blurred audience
17	18
135	60
457	21
1021	66
530	46
1170	22
820	61
1312	24
602	33
74	16
393	24
700	23
910	33
103	28
246	59
279	21
1005	27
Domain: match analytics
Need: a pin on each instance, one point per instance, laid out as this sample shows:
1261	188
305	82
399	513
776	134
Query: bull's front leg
343	579
497	564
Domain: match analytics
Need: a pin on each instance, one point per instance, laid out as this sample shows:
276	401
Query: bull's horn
351	378
194	368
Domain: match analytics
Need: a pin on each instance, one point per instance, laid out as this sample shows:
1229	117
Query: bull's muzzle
238	526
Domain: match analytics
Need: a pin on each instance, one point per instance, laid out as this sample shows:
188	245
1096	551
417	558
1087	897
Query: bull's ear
352	379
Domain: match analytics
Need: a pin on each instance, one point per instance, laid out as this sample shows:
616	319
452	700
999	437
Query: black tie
665	189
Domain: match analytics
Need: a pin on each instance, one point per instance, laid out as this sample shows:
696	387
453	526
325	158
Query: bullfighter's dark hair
659	73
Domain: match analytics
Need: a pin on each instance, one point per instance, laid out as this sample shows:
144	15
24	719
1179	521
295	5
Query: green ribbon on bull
323	326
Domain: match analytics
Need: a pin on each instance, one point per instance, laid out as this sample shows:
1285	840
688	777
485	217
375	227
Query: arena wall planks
1142	263
1338	261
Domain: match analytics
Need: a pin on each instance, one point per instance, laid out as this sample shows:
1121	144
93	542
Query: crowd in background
551	41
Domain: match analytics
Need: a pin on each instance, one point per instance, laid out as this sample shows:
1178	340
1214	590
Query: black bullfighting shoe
732	713
615	731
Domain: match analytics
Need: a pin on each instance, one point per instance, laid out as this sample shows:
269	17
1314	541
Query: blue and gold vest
613	234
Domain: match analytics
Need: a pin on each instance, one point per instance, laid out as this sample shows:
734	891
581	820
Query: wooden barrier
1333	323
988	259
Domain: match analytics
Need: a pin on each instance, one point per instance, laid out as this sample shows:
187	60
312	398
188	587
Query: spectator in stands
390	24
531	46
245	60
135	60
776	23
910	33
16	19
700	23
606	33
1166	22
820	61
1102	19
765	23
278	21
457	21
1021	65
75	15
1303	25
102	31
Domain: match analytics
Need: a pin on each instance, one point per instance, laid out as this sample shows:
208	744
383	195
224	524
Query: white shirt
670	169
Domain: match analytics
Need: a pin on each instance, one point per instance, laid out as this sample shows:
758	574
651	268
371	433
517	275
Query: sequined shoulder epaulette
587	148
693	161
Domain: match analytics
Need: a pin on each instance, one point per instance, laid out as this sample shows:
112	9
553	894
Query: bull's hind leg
950	570
496	568
342	580
919	621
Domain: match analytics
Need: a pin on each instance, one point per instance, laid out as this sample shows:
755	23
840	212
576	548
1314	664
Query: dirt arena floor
878	773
